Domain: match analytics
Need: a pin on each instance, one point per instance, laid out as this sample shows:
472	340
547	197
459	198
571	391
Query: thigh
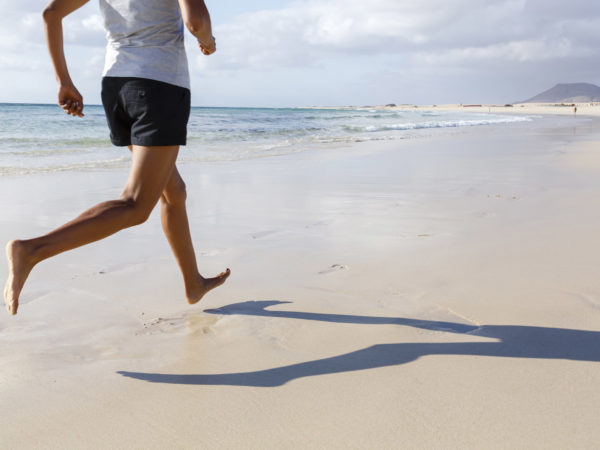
151	169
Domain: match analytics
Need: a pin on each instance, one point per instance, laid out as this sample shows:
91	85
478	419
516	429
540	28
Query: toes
11	308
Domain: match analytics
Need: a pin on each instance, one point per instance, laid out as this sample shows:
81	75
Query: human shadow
508	341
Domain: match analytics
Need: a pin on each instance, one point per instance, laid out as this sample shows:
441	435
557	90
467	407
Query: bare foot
19	267
195	294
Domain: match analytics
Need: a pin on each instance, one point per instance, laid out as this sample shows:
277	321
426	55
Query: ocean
42	138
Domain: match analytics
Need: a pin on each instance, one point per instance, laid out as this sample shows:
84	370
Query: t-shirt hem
174	81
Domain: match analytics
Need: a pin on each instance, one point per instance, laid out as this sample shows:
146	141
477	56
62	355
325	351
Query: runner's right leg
150	171
177	230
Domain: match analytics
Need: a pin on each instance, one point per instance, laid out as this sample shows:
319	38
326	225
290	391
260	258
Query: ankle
28	251
192	282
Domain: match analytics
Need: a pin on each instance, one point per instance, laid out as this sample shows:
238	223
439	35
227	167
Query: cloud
310	32
304	32
335	49
13	62
518	51
85	29
22	34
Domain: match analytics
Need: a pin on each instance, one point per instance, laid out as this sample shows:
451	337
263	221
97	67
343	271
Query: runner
146	96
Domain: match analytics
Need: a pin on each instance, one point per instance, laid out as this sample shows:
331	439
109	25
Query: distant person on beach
146	97
575	111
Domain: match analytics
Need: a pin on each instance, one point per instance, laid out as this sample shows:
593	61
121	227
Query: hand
70	100
208	48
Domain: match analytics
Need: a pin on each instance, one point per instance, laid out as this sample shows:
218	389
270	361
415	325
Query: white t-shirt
145	40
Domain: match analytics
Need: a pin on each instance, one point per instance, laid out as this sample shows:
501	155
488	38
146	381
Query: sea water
42	138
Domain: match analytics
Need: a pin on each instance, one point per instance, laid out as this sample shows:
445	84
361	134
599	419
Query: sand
546	109
439	292
559	109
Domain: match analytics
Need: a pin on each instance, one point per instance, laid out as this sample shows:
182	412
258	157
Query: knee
138	213
176	195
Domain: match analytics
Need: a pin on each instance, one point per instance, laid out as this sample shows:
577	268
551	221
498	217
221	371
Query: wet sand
439	292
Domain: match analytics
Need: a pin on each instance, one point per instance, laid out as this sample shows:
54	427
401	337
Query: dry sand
557	109
583	109
431	293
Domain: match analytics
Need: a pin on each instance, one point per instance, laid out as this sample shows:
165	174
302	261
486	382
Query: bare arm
197	19
69	97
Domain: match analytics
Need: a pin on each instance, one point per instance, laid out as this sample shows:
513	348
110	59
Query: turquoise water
41	138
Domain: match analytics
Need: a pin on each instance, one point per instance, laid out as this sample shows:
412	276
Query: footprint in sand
262	234
509	197
193	324
590	300
320	223
201	324
163	325
334	268
484	214
212	252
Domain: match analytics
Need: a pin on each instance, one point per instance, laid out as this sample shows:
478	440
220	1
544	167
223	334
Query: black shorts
145	112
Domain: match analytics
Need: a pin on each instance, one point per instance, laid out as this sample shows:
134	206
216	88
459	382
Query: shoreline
583	109
554	108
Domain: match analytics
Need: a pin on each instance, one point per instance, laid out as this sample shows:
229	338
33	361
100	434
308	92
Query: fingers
73	108
70	100
206	51
210	48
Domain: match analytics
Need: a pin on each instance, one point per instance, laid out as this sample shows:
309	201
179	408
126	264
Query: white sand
583	109
432	293
560	109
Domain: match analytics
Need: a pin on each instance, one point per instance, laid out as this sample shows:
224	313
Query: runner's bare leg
150	171
177	230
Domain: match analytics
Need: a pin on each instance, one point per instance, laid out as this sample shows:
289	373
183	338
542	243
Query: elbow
197	27
49	13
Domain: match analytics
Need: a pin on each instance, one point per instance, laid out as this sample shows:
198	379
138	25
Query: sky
336	52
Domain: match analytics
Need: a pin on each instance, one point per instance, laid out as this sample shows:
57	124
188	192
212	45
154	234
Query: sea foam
41	138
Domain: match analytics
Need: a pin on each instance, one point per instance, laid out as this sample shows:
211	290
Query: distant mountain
568	93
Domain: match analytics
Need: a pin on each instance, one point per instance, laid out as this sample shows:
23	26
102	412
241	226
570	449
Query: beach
434	291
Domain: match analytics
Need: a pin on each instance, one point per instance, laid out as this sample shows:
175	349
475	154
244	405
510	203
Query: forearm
197	20
203	32
54	39
53	15
69	98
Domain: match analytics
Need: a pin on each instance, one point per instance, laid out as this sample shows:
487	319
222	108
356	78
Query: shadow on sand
512	341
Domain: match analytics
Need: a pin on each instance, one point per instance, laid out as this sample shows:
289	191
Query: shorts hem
120	143
157	143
